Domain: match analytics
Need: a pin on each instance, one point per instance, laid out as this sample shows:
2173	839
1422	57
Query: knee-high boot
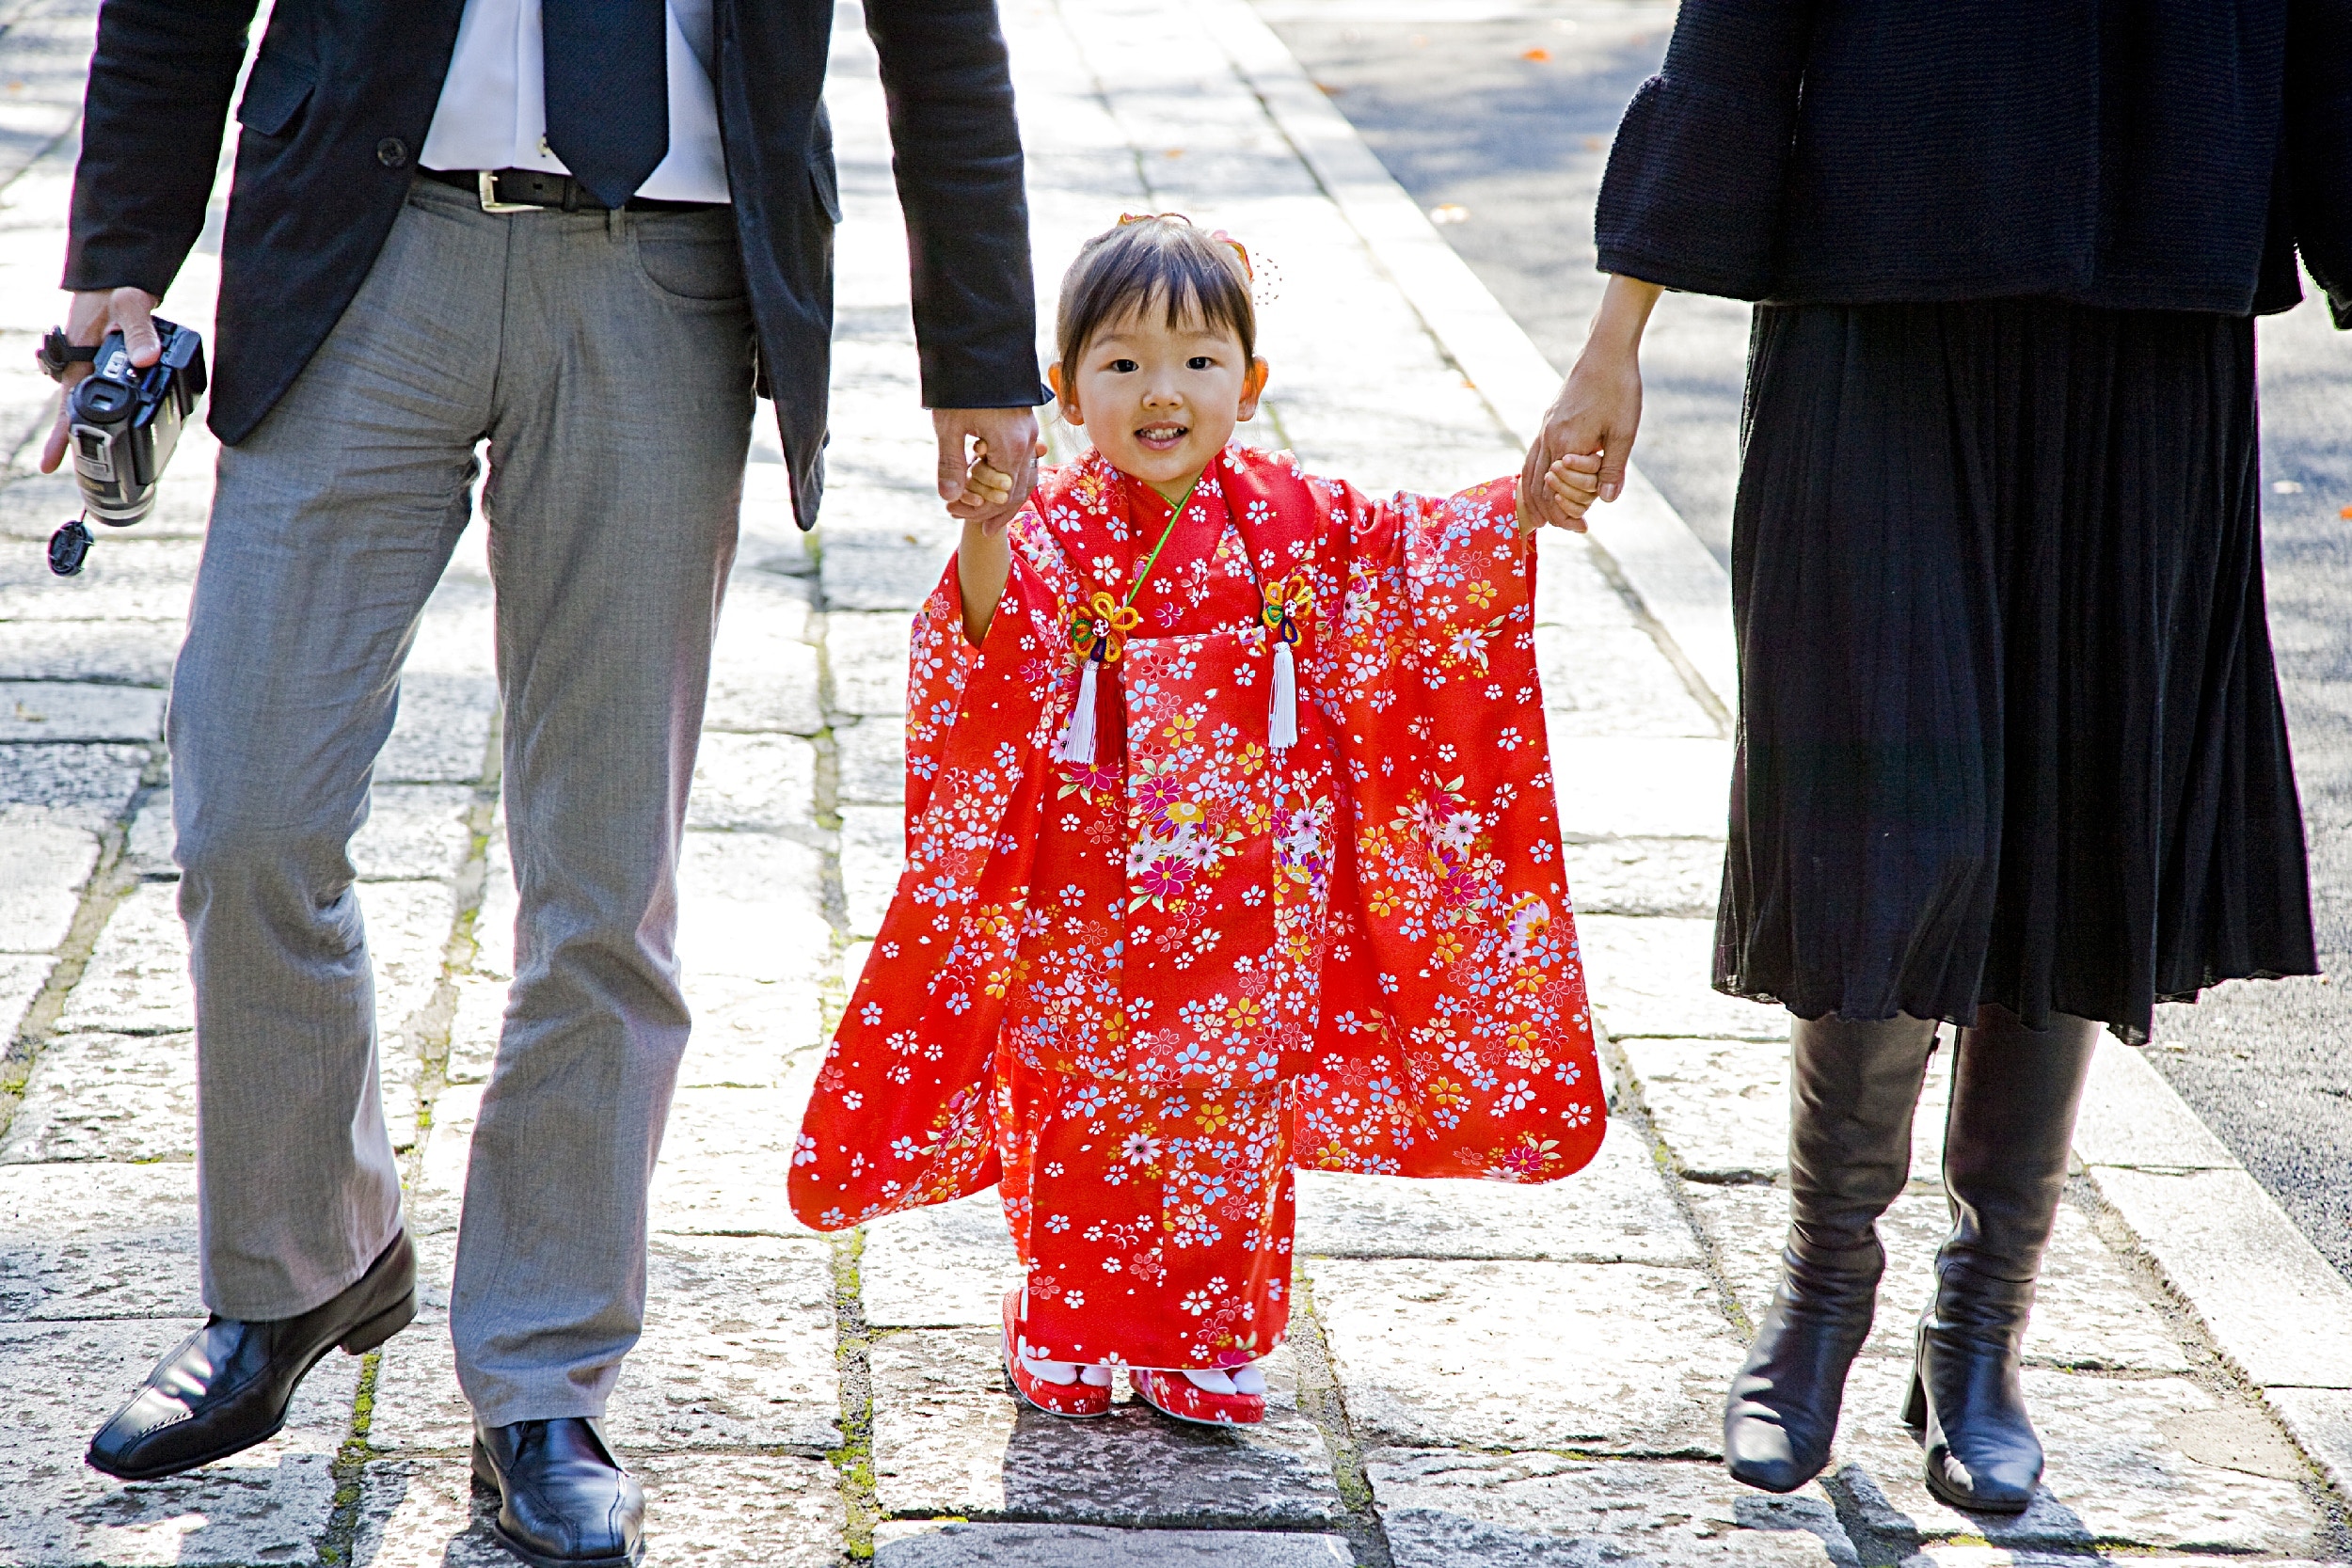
1853	1089
2015	1094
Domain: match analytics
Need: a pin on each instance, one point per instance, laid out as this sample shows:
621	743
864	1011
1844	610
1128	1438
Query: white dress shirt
493	112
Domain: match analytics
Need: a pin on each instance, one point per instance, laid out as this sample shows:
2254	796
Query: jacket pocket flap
273	94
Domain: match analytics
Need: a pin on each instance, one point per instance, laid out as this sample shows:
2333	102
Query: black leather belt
532	190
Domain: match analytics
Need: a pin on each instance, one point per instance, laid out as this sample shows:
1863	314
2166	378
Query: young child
1230	848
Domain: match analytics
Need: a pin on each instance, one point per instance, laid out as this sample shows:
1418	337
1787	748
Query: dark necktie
608	87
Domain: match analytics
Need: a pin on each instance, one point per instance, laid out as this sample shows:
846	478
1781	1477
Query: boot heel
1915	1399
382	1326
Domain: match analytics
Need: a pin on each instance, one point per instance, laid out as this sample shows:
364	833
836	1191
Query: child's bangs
1156	264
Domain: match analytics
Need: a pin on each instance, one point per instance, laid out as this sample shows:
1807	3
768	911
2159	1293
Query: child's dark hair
1155	261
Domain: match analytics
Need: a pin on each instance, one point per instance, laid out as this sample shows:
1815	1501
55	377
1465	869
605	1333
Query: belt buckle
486	186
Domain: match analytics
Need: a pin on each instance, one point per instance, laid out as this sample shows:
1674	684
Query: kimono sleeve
900	1117
1455	1039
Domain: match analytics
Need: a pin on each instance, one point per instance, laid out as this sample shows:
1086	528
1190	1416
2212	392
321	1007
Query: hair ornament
1220	236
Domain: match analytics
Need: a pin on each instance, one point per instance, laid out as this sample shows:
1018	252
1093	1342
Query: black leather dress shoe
228	1385
563	1500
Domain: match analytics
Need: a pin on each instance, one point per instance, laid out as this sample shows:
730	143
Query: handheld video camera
123	423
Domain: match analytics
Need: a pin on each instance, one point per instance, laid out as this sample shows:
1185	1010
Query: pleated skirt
2009	730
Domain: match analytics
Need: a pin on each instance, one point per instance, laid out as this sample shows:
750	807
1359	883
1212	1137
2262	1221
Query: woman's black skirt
2008	727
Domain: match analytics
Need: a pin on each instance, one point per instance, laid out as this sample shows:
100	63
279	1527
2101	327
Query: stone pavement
1478	1375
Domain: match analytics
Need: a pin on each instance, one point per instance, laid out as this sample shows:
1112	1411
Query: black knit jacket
2156	155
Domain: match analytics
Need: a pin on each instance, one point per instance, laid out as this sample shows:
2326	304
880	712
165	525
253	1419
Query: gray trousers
607	362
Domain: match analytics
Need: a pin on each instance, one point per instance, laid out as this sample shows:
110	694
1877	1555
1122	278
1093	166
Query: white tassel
1283	728
1078	740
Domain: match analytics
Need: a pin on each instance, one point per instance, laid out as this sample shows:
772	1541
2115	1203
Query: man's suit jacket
337	105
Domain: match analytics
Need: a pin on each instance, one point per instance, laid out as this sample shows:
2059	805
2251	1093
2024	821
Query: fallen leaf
1539	55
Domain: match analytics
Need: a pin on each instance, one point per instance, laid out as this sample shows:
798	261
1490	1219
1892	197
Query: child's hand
1573	485
986	489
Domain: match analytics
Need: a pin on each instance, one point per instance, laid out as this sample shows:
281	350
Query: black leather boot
2015	1094
1852	1089
563	1500
228	1385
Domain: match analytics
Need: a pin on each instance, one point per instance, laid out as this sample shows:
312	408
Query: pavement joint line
111	880
853	1461
1323	1401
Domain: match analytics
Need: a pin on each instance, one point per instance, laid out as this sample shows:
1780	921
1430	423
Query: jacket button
391	152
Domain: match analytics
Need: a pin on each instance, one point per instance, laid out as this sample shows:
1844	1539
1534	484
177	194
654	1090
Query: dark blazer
339	103
2165	154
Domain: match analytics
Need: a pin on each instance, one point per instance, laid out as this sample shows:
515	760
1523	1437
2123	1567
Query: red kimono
1137	990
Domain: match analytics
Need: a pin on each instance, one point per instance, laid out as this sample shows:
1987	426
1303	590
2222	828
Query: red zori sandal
1057	1387
1233	1396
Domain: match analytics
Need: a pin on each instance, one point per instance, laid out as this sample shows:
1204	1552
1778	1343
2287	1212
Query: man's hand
1589	430
88	321
986	463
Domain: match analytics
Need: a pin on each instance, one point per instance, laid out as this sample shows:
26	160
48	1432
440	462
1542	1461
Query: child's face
1161	401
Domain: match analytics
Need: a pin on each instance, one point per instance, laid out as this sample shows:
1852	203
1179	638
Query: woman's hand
1588	433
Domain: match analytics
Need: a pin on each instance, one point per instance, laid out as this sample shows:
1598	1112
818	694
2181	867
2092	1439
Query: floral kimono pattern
1139	991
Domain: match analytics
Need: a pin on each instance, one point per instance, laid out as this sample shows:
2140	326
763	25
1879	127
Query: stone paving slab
132	579
136	980
51	711
871	758
107	1096
1617	1210
21	977
755	782
764	670
1641	973
750	1033
952	1439
751	905
738	1353
58	1381
2117	1476
726	1159
1610	681
2088	1313
1615	1359
1721	1107
1645	876
1642	786
86	786
866	652
969	1546
873	853
947	1266
705	1511
134	653
2321	1419
1445	1508
2270	1299
86	1240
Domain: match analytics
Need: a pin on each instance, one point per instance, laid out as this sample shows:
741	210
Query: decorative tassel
1078	740
1283	728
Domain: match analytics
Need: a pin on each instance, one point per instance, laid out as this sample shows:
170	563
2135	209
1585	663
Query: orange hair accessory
1219	235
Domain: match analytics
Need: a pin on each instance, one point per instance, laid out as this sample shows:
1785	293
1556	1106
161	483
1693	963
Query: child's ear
1066	396
1252	386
